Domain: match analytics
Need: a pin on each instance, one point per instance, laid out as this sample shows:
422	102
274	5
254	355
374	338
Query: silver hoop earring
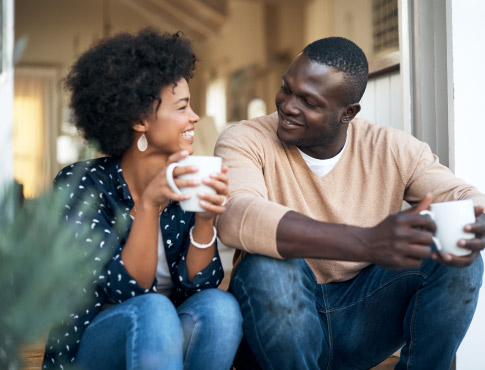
142	143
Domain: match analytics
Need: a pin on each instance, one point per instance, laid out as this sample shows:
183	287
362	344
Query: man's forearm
401	240
299	236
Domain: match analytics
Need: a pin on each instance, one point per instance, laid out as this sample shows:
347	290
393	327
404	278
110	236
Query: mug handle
169	177
435	239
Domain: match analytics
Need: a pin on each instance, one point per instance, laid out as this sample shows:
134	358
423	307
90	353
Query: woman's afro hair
114	84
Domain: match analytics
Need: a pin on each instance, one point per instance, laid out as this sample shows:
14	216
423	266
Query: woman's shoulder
98	168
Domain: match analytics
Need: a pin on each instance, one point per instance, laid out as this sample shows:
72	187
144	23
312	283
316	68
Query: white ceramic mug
207	165
450	219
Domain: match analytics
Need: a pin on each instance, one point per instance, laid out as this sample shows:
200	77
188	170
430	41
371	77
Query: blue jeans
148	332
291	322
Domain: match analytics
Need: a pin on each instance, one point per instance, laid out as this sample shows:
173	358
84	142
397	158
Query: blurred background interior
244	47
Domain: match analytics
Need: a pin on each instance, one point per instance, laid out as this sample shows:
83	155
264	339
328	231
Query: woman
155	305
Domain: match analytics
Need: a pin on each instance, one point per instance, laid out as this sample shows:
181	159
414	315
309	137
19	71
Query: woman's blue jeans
148	332
291	322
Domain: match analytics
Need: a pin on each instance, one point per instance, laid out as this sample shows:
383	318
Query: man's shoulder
374	134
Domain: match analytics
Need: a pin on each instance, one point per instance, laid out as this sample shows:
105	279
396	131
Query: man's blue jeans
148	332
291	322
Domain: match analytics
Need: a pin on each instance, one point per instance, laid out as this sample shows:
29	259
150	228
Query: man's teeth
188	134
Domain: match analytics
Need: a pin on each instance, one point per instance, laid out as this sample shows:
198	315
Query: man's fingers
420	222
419	251
478	210
458	261
472	244
423	205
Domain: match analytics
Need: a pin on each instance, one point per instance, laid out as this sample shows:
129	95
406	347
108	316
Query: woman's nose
194	117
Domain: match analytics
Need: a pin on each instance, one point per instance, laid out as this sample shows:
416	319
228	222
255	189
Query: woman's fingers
177	156
218	182
215	203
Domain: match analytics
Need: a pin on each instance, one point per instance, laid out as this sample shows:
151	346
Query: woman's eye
183	108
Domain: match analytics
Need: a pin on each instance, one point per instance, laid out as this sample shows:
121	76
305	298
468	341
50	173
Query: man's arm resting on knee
401	240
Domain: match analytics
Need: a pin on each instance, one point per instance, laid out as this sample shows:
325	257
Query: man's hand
476	245
402	240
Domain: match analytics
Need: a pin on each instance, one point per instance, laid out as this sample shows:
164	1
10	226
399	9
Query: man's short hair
343	55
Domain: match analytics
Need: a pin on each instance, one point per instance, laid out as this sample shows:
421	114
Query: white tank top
164	279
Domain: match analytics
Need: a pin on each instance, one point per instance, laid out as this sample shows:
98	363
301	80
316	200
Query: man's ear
350	111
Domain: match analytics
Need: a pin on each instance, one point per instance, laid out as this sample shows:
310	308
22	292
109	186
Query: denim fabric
291	322
148	332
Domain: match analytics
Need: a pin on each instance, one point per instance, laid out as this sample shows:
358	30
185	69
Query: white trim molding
6	91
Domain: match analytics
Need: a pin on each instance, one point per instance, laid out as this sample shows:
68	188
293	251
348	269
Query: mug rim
460	201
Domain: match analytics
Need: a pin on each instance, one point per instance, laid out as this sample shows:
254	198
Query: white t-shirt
164	279
321	167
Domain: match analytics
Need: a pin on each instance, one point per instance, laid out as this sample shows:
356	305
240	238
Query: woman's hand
214	203
158	191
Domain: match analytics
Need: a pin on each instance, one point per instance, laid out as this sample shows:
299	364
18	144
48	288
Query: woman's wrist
202	245
203	222
148	205
203	232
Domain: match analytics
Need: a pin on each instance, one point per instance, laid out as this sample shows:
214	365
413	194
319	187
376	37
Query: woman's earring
142	143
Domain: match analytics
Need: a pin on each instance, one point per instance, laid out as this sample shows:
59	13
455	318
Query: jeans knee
157	314
215	313
469	276
226	307
265	275
462	284
476	271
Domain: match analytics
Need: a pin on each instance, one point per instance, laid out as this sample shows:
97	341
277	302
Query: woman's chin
187	147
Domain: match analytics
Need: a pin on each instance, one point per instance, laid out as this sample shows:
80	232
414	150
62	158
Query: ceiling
200	19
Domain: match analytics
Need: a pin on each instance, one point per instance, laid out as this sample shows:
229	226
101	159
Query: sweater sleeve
251	219
424	174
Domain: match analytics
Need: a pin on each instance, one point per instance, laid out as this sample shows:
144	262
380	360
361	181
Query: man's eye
311	105
285	89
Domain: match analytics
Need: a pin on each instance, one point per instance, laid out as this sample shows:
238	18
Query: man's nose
290	105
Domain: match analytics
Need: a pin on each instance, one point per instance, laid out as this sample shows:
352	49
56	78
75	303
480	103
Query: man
335	276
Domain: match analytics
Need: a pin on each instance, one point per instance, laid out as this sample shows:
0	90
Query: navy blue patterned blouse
99	184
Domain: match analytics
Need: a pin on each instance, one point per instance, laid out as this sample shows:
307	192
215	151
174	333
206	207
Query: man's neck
326	151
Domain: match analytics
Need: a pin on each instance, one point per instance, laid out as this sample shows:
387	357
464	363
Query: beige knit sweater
379	168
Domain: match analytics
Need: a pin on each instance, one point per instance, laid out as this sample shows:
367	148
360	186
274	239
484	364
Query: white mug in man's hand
207	165
450	219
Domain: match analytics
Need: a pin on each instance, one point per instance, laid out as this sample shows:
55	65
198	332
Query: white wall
467	132
6	102
381	102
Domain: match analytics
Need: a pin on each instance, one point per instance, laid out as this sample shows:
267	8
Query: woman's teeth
188	134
